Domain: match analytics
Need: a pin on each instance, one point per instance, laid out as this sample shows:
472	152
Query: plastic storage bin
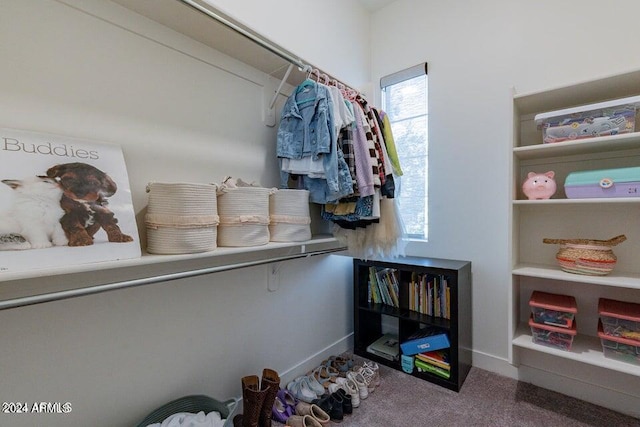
603	183
618	348
553	309
193	404
620	319
553	336
588	121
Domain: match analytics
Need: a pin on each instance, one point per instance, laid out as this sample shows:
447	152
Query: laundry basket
289	216
181	218
193	404
244	216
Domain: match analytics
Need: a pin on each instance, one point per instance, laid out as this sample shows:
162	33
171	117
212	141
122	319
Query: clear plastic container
552	336
553	309
620	319
589	121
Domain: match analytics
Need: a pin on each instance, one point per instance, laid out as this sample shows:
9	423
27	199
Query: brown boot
252	400
270	384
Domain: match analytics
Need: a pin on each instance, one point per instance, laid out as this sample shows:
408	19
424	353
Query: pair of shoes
347	405
371	373
332	405
325	374
339	363
283	406
257	399
305	388
313	410
302	421
349	387
360	382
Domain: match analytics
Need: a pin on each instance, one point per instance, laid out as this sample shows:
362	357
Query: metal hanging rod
106	287
262	42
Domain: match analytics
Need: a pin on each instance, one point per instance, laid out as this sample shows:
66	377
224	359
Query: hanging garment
306	129
390	143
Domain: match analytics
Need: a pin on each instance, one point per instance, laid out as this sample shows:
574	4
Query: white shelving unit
533	263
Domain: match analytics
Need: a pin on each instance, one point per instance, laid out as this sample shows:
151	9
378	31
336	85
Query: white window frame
385	82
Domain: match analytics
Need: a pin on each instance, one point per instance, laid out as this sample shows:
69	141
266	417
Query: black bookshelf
369	317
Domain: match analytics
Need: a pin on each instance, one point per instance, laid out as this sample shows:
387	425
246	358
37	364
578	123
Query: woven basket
244	216
181	218
587	256
289	216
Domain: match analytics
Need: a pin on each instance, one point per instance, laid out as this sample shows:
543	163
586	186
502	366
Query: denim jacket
306	129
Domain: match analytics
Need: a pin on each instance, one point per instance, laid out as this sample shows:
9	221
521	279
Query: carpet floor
486	399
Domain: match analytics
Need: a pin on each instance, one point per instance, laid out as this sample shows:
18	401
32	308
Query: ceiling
196	25
374	5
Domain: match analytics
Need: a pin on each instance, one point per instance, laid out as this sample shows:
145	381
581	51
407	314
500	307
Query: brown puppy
84	202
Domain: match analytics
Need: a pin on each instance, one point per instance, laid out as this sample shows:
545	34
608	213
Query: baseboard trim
337	347
602	395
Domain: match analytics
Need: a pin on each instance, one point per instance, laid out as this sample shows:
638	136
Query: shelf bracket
273	276
284	79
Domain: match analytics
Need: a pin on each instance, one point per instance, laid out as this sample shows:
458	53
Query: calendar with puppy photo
63	201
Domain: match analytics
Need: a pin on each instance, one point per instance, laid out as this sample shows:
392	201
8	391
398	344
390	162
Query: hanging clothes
342	150
306	130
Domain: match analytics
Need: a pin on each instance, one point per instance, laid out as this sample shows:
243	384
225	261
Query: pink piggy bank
539	186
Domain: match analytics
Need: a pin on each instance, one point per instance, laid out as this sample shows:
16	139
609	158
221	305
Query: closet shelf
17	289
585	349
616	279
602	144
593	201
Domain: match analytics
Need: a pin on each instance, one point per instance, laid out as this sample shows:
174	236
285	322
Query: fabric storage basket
244	216
181	218
289	218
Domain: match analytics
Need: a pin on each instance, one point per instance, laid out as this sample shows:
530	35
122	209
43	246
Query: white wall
330	34
477	52
182	112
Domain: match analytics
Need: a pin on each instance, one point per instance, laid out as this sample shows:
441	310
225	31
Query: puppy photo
33	219
84	201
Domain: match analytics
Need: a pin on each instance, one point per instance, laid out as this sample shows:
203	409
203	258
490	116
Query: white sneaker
360	382
351	387
369	378
376	371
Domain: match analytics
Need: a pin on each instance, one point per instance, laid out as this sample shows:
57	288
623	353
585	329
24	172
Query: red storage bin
553	309
620	319
553	336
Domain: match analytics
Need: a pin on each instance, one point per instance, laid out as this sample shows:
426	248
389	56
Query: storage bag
289	216
181	218
244	216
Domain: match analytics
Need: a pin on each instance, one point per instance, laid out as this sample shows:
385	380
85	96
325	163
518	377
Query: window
404	99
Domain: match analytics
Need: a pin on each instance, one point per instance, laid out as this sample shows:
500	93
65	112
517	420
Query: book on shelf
383	286
427	367
430	295
425	340
386	347
439	358
63	201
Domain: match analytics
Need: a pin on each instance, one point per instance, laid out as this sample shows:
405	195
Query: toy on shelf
539	186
